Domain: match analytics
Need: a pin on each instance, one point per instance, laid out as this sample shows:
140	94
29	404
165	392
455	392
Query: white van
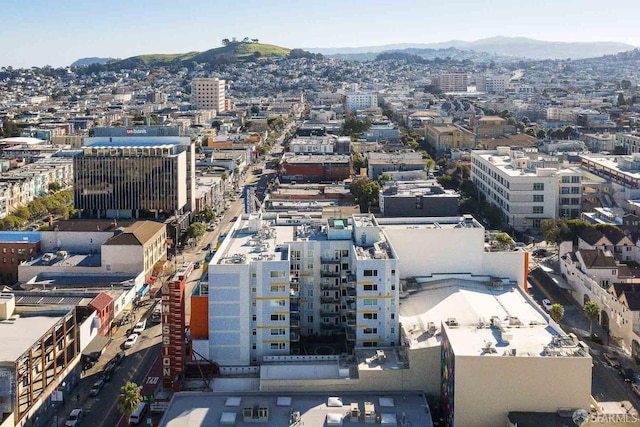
138	415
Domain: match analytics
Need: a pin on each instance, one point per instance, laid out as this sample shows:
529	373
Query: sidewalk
118	336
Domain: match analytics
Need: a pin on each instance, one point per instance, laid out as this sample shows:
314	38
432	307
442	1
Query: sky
58	32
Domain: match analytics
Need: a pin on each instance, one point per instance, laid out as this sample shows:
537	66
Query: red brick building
103	304
15	247
315	167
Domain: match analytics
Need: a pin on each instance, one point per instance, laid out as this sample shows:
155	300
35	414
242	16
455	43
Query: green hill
233	52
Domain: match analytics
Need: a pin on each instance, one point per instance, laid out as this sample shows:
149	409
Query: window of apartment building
536	223
277	273
310	319
277	288
253	346
4	250
253	317
369	331
310	266
310	306
370	301
254	289
254	331
575	190
13	250
21	251
296	255
565	179
278	303
278	317
295	267
538	186
369	344
575	179
277	346
371	273
344	253
370	316
393	315
345	266
538	209
393	272
278	331
565	201
371	287
538	198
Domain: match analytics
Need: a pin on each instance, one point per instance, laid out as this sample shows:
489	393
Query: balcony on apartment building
332	298
295	319
329	285
330	273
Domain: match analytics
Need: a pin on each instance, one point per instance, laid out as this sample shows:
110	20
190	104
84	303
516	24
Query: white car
74	418
131	341
546	304
140	327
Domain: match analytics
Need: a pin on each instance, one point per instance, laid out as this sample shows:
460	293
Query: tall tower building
208	93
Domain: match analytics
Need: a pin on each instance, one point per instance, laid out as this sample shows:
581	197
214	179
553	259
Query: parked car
131	341
117	359
612	359
196	265
74	418
540	252
546	304
97	386
629	375
107	372
206	248
139	328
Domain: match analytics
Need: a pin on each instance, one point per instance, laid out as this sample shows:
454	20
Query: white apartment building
208	93
360	100
269	283
454	81
526	186
493	84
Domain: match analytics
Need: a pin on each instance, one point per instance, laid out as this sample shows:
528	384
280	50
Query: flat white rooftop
479	315
18	335
311	410
258	241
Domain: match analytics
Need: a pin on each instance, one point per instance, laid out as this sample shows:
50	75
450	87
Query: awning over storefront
96	347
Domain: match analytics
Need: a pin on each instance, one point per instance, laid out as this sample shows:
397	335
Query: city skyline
75	29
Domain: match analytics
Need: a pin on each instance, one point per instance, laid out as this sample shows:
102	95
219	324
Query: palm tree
556	312
592	311
128	399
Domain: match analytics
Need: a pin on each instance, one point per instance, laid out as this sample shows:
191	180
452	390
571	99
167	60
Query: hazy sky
57	32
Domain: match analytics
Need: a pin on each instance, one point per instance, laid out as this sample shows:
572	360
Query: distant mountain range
83	62
518	47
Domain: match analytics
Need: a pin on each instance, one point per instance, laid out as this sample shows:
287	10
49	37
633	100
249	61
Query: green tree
208	214
448	182
592	311
358	161
366	192
23	212
224	176
384	177
55	187
354	127
128	399
503	239
197	230
556	312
